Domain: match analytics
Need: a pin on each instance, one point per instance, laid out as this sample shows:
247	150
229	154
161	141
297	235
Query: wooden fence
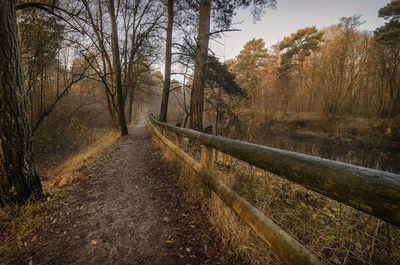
372	191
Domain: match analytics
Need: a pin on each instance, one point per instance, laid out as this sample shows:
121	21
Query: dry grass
19	223
71	170
334	232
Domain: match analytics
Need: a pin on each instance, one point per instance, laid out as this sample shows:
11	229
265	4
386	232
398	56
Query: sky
292	15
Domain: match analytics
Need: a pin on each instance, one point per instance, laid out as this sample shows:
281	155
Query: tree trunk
197	96
117	69
130	106
110	106
19	179
168	61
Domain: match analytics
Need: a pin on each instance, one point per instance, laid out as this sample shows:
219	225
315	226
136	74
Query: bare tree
117	68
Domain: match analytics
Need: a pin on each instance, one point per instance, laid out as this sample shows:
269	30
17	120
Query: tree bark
19	179
168	61
197	96
117	69
130	106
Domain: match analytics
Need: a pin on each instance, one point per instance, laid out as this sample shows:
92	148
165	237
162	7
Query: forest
77	75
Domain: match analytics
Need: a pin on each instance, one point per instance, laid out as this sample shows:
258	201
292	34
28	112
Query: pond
365	155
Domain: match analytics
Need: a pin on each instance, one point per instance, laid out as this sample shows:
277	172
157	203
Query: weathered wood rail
372	191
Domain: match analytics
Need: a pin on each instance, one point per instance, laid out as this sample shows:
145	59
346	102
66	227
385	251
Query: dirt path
128	211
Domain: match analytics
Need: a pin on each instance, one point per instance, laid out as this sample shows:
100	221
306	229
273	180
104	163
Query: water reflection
367	156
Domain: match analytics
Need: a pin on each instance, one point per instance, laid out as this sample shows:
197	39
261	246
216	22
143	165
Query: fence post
177	140
207	156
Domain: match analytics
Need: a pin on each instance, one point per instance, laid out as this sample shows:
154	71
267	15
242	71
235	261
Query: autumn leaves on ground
124	208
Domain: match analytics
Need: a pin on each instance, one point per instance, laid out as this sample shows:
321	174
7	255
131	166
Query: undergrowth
71	169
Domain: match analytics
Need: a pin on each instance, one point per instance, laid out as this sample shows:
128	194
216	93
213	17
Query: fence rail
372	191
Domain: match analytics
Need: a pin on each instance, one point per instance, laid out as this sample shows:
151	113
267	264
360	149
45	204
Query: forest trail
128	211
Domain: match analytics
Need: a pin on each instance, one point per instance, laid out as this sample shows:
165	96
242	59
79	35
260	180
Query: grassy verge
18	224
71	170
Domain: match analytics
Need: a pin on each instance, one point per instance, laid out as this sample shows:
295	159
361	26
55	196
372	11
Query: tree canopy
390	32
296	47
218	74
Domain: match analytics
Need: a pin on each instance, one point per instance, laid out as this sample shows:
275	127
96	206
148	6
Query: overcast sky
292	15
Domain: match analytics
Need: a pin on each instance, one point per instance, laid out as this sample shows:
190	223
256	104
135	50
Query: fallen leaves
93	242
